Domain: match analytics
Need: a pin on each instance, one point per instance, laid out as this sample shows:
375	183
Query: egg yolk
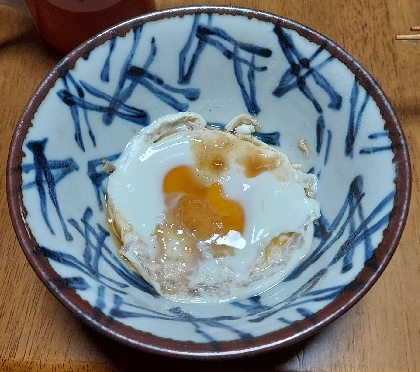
203	210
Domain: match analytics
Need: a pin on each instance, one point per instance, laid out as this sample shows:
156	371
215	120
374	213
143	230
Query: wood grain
380	333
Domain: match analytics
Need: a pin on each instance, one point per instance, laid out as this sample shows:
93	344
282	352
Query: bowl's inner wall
219	66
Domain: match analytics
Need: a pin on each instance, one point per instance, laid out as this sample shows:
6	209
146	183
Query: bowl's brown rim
287	336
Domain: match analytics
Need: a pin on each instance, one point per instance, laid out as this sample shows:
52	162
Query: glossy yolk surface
203	211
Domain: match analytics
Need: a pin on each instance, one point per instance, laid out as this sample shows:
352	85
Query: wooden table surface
380	333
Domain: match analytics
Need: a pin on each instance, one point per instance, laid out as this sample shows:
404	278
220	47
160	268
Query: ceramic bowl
219	62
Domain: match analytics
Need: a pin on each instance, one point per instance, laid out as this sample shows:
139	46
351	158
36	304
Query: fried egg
209	215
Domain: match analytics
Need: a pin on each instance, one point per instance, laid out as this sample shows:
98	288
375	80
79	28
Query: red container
64	24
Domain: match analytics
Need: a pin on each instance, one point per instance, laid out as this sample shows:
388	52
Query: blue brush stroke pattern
96	251
378	135
241	54
371	150
320	130
351	218
177	314
79	106
378	148
160	89
71	100
74	282
355	117
80	96
303	296
300	70
98	176
47	174
100	303
121	95
328	147
107	64
272	138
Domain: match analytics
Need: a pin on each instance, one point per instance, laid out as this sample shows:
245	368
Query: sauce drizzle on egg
212	155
